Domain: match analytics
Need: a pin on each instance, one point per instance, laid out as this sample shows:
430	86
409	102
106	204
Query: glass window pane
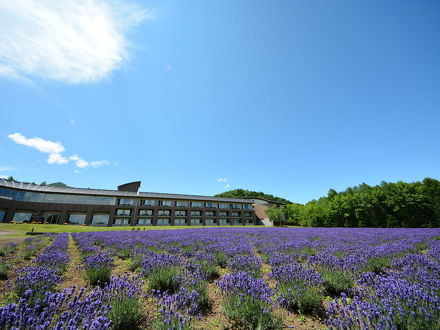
100	219
22	216
76	219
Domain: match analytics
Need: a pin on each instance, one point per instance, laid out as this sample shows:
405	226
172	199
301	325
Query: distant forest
244	194
399	204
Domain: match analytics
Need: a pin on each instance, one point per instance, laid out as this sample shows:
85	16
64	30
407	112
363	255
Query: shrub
377	264
124	253
203	301
8	249
135	263
126	313
165	279
221	259
245	312
302	299
336	281
98	275
210	271
4	271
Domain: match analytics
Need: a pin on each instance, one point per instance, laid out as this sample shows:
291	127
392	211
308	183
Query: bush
377	264
4	271
221	259
336	282
210	270
244	312
126	313
124	253
135	263
203	301
302	299
165	279
98	275
8	249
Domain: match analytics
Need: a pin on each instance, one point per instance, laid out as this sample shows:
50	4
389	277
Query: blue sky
287	97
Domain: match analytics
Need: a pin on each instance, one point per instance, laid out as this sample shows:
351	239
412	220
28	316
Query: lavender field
224	278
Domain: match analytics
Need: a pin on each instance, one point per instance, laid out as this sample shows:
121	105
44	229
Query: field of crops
223	278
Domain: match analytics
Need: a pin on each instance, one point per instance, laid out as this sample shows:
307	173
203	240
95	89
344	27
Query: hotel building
26	202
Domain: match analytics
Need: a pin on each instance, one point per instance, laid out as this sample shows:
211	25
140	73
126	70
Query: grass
23	228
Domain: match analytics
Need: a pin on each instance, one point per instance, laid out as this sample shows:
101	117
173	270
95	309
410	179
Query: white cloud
72	41
76	171
2	176
222	179
169	67
99	163
54	149
72	122
226	186
57	159
38	143
6	168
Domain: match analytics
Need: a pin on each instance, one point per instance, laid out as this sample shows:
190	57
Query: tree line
400	204
246	194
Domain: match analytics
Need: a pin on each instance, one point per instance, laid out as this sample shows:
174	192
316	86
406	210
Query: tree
277	214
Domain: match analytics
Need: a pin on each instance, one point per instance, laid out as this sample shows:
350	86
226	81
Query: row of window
209	205
28	196
181	213
103	219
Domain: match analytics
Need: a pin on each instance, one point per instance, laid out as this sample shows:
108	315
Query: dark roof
115	193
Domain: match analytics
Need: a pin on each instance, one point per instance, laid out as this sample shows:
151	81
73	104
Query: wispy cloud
72	122
169	67
6	168
72	41
222	179
226	186
55	150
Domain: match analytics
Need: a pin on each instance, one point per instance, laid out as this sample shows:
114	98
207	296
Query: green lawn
22	228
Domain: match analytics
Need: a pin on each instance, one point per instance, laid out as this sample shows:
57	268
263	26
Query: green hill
245	194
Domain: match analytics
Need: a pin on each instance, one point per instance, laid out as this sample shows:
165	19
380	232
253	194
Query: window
163	222
163	213
122	222
165	203
210	213
236	206
124	201
181	204
22	216
210	205
76	219
223	222
223	214
2	215
179	222
248	214
180	213
235	222
223	206
100	219
195	222
146	212
209	222
123	212
235	214
148	202
145	222
196	204
195	213
51	218
247	207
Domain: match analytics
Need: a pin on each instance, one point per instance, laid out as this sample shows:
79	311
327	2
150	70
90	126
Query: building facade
25	202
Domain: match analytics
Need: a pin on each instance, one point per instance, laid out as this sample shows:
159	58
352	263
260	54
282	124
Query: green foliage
248	313
203	301
134	263
98	275
126	313
399	204
210	270
165	279
124	253
221	259
246	194
4	271
277	214
302	299
7	250
336	281
377	264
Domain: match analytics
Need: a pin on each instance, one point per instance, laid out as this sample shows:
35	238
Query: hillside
244	194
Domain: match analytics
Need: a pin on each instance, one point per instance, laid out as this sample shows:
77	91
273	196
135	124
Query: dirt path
74	274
